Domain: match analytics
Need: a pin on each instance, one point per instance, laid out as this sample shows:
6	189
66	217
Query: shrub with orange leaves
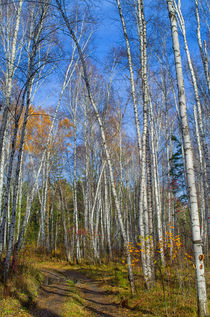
171	244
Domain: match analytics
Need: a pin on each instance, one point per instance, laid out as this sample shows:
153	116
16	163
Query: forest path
54	293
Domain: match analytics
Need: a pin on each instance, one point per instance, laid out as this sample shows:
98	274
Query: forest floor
50	287
69	292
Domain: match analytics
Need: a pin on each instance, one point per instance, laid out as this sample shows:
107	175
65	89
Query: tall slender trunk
204	56
20	193
169	193
108	157
66	240
150	202
205	160
188	155
203	200
93	232
30	79
9	76
75	215
107	214
156	187
86	190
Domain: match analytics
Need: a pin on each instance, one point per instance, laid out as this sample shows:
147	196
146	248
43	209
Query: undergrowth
20	291
74	306
177	299
173	294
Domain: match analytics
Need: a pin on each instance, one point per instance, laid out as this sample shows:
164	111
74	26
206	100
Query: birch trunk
20	196
108	157
107	214
132	82
206	164
2	166
30	78
86	191
192	194
169	193
9	177
93	210
150	202
156	191
204	201
204	56
10	74
75	215
66	240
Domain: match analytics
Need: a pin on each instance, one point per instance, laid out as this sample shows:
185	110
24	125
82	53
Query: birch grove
105	158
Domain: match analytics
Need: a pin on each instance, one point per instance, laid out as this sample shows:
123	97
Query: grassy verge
74	306
173	294
21	291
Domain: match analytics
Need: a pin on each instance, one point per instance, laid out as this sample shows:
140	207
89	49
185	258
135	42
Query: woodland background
104	134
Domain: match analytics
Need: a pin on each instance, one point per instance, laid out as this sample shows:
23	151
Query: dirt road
55	292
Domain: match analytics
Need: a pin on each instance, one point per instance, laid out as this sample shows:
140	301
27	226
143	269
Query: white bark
107	214
66	240
93	233
86	190
205	160
192	194
2	167
204	56
20	195
75	215
35	43
10	56
108	157
156	187
203	200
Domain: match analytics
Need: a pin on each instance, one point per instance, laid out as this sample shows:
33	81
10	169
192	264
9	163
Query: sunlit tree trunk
75	215
108	157
86	189
34	46
169	193
188	155
94	207
205	160
66	240
203	201
43	201
107	213
203	52
150	202
10	57
9	175
2	169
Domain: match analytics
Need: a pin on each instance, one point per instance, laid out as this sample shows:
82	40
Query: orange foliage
37	130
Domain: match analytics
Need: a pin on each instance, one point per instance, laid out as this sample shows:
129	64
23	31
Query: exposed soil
54	292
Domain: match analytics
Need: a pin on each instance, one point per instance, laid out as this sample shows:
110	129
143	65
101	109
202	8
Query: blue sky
108	34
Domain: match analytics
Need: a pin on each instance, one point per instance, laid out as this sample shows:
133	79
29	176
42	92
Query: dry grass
179	289
74	306
176	299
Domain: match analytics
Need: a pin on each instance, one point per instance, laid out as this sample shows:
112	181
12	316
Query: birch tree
188	155
205	160
92	102
10	50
